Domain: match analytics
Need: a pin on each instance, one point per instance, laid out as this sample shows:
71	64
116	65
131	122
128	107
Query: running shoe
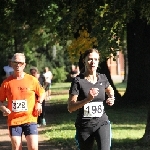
43	121
38	125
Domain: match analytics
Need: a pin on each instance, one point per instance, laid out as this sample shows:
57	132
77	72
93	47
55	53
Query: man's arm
4	109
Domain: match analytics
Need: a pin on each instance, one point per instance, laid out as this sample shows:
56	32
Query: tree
40	24
106	21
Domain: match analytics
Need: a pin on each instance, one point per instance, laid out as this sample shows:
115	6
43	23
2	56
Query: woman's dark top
81	87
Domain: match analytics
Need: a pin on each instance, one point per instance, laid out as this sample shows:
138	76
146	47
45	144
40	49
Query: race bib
93	109
19	105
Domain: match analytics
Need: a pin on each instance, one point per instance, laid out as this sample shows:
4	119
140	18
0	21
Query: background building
116	66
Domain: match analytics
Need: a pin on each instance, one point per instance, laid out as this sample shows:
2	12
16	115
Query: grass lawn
63	88
128	124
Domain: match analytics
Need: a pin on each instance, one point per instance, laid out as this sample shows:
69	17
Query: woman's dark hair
82	57
87	52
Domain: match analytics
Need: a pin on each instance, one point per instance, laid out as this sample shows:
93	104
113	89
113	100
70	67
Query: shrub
59	74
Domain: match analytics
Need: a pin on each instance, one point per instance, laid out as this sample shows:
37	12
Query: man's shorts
27	129
48	87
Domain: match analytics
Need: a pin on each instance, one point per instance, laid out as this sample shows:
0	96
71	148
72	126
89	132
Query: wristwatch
39	102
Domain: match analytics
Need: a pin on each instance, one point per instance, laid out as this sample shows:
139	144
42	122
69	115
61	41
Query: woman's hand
110	101
93	93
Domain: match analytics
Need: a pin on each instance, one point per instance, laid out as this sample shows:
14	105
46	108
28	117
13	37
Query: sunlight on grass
61	85
120	132
58	87
59	98
128	124
64	131
121	86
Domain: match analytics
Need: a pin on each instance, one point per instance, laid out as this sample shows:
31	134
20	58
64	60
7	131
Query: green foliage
34	27
59	74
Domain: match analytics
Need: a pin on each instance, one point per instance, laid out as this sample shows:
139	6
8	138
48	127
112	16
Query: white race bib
19	105
93	109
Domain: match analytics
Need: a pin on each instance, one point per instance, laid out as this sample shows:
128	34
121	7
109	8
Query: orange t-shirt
20	95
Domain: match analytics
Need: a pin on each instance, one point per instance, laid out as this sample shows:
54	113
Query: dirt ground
5	144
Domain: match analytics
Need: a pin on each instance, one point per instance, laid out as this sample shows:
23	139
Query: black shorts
48	87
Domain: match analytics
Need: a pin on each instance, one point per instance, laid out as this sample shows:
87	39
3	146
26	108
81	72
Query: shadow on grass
44	145
132	116
128	144
128	118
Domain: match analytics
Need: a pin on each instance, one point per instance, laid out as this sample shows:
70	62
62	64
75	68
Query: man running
34	72
48	79
22	109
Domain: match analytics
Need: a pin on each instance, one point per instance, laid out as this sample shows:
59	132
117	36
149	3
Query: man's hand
38	109
5	111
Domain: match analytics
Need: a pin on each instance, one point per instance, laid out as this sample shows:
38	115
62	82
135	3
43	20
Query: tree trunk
138	84
138	47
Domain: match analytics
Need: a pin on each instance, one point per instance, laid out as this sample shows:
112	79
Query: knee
16	147
16	144
33	147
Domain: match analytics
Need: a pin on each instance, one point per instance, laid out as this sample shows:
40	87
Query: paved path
5	144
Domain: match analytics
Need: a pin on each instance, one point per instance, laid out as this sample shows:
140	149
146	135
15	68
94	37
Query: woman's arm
110	92
73	104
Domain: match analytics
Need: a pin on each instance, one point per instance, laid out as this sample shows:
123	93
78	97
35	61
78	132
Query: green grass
128	124
60	88
121	86
60	85
59	99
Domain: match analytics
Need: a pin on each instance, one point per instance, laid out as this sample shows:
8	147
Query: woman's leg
103	136
84	145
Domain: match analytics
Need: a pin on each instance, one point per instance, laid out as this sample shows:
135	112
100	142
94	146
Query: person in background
48	80
8	69
74	71
22	109
34	72
87	94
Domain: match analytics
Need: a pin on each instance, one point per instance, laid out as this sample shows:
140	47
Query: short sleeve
3	92
106	82
74	89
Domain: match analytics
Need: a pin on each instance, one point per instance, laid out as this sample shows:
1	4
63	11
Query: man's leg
49	91
32	142
16	137
31	134
16	142
43	121
39	119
